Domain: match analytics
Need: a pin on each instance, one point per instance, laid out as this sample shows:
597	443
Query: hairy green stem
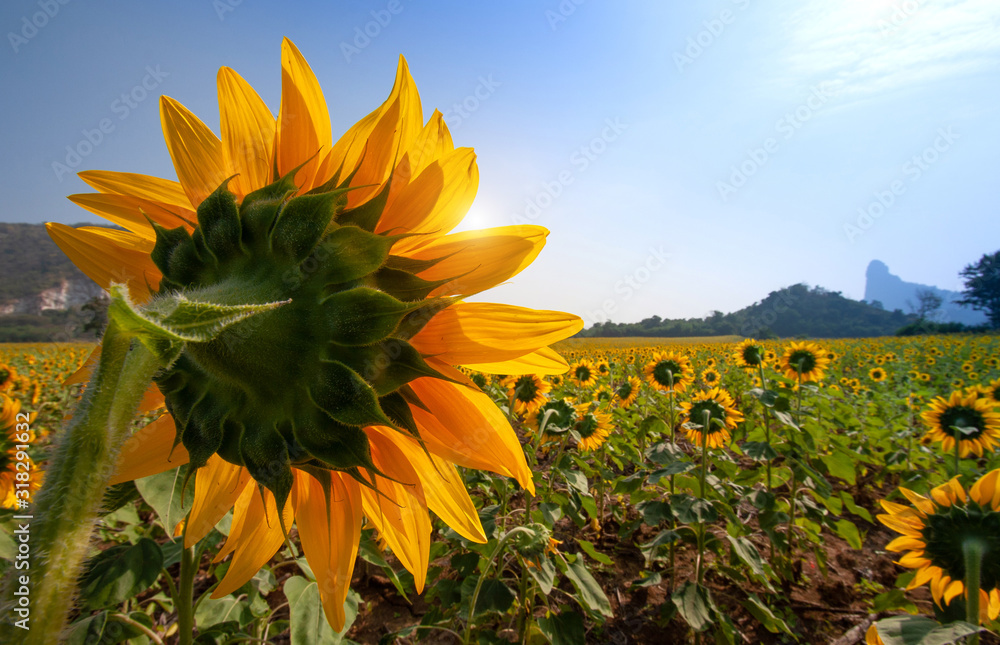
184	603
973	549
479	585
75	482
706	425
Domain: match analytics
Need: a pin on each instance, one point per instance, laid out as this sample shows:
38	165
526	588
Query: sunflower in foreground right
935	530
342	400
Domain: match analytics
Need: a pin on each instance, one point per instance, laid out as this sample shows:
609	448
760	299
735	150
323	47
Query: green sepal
265	455
345	397
259	211
176	256
367	215
404	285
387	365
362	316
202	432
302	222
411	265
219	231
415	320
395	407
171	320
341	447
411	397
350	253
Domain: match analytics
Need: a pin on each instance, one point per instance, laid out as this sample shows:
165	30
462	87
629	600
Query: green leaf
308	622
847	530
170	320
119	573
589	593
163	492
691	510
494	595
544	575
88	630
920	630
564	628
750	556
892	600
218	611
759	450
654	512
652	424
764	614
589	549
841	464
854	508
577	480
694	605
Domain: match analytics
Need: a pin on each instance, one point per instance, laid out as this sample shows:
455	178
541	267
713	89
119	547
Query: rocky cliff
895	293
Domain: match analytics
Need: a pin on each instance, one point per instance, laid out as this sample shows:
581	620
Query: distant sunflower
603	368
669	370
628	391
527	391
9	409
583	372
978	425
749	354
593	426
8	377
934	530
993	392
561	415
555	380
723	417
710	377
877	374
805	359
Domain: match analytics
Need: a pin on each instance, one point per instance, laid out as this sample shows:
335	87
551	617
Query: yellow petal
467	428
82	375
397	123
544	361
443	487
195	150
148	452
329	523
993	610
107	256
247	133
905	543
955	588
259	539
151	400
217	486
399	509
168	194
131	213
982	491
923	504
902	525
486	333
436	201
474	261
922	576
433	142
303	120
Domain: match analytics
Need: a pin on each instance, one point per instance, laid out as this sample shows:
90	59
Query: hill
892	292
43	296
793	311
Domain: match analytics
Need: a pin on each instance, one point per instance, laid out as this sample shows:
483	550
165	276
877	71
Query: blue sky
684	158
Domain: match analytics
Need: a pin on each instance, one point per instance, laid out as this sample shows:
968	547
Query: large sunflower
804	359
593	426
934	531
966	418
723	417
342	401
669	370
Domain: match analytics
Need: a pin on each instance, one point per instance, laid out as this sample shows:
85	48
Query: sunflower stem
479	585
958	456
82	464
973	548
707	420
184	602
673	445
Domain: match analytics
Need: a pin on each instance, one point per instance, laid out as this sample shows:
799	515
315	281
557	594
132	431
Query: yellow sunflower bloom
805	360
593	426
527	392
977	423
669	371
934	531
348	386
723	417
749	354
628	391
583	372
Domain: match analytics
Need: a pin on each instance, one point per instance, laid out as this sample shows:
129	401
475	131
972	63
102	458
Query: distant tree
928	304
982	287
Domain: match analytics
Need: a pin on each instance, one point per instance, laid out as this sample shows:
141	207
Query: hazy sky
685	158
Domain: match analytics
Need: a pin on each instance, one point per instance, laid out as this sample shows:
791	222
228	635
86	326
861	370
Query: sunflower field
772	492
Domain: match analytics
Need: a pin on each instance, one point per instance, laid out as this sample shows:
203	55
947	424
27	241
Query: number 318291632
22	464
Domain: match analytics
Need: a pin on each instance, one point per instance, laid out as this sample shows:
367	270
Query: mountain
894	293
43	296
793	311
